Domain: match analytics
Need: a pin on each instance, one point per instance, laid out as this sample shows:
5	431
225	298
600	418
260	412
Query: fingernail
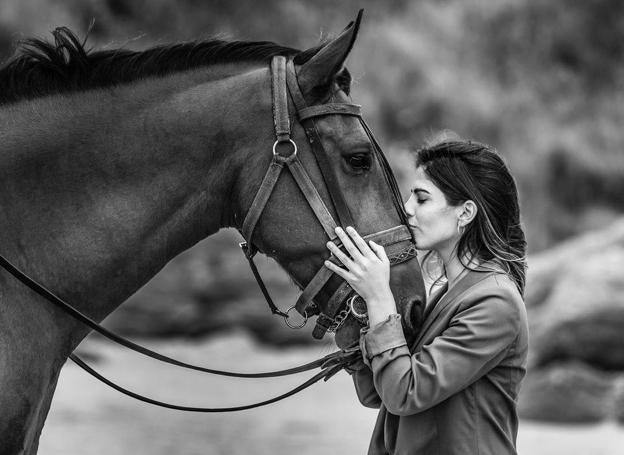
350	228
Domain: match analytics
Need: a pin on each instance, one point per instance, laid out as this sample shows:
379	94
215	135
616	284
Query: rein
330	364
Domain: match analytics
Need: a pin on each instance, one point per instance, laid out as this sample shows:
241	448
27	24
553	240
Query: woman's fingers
340	271
379	251
346	260
348	244
360	243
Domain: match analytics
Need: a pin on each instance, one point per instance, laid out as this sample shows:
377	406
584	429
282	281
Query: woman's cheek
421	238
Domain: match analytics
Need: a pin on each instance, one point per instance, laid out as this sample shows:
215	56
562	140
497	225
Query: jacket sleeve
476	340
364	386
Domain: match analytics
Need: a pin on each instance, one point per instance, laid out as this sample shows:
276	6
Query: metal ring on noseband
281	157
305	319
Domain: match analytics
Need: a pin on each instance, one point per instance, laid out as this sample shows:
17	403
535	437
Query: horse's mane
42	68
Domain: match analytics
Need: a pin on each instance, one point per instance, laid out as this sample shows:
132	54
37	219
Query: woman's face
432	219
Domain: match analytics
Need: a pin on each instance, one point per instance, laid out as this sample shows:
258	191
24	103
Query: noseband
398	241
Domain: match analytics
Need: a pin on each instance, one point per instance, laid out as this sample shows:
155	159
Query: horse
115	161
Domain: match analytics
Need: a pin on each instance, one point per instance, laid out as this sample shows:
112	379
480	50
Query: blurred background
540	80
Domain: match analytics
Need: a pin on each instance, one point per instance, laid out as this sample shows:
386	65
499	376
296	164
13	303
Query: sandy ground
89	418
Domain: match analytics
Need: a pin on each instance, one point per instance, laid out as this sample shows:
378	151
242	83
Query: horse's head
353	182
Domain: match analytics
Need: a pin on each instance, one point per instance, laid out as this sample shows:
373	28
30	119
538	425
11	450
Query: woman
454	391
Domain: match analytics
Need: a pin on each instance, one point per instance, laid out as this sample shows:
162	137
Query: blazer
455	390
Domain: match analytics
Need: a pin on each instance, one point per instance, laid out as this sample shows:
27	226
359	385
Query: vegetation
542	86
539	79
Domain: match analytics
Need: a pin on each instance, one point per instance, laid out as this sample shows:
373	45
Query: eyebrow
415	189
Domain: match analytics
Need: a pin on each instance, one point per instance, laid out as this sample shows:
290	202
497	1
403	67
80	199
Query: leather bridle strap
279	75
281	120
391	239
284	81
330	109
306	114
340	204
262	196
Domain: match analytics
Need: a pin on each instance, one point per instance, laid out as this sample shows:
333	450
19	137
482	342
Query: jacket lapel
439	304
434	297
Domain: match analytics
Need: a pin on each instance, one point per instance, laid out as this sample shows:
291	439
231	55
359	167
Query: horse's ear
321	68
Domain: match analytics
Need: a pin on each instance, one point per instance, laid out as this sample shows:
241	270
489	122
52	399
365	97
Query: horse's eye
359	161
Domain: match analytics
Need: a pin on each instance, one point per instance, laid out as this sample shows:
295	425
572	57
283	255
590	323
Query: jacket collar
441	298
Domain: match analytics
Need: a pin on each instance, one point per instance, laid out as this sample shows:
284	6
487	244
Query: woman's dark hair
467	170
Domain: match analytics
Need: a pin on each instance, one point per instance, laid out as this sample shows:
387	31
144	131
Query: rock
545	267
575	303
583	317
618	401
571	392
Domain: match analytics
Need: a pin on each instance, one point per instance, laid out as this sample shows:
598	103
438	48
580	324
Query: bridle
398	241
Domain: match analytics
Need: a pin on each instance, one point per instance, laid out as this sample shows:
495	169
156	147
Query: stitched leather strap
345	218
326	318
261	198
293	86
313	288
329	109
398	247
313	197
284	81
280	99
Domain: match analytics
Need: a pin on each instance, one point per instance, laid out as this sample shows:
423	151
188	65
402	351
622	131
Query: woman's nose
409	206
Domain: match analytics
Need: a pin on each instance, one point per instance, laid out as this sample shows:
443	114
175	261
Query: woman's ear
468	212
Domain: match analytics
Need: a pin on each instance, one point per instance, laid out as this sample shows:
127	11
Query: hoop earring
460	229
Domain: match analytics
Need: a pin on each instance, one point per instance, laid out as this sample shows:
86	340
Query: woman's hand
367	271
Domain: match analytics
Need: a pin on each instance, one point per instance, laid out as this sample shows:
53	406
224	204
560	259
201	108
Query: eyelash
420	201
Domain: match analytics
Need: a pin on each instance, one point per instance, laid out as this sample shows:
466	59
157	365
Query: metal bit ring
286	318
358	316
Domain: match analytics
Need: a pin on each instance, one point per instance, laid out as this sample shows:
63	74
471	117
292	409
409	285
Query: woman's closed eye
418	193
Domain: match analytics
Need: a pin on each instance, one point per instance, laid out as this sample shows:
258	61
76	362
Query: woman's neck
454	268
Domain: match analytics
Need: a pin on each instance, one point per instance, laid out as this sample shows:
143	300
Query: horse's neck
101	189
